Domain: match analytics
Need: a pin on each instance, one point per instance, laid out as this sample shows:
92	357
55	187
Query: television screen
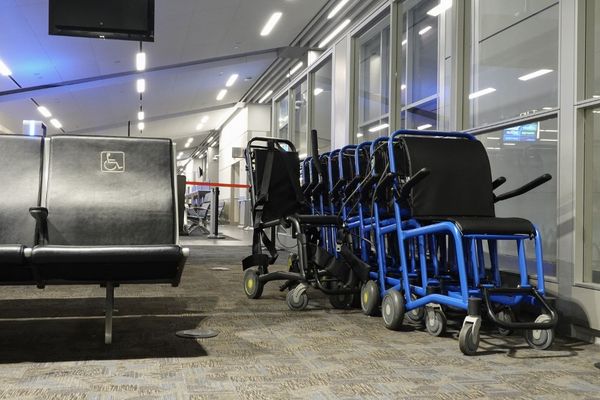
521	133
105	19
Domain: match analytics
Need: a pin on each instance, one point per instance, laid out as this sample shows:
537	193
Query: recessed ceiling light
535	74
187	145
425	30
318	91
199	127
334	33
482	92
440	8
221	94
140	61
231	80
359	134
270	24
56	123
141	115
547	108
379	128
493	138
265	97
44	111
140	85
141	126
423	127
204	119
337	8
402	87
404	42
4	70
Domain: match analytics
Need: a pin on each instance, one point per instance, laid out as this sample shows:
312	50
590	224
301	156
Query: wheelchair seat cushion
490	225
12	254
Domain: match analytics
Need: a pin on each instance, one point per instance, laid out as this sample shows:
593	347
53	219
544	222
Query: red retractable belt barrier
216	184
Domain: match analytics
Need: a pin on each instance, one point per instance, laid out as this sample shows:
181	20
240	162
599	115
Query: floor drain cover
197	334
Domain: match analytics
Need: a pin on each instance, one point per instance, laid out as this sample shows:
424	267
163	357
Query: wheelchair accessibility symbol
112	161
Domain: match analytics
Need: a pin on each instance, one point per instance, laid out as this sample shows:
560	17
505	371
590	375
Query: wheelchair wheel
252	286
369	298
507	315
540	339
341	301
435	321
468	339
392	309
297	298
417	314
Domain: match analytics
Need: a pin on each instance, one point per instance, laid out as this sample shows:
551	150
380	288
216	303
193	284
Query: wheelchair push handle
314	141
498	182
523	189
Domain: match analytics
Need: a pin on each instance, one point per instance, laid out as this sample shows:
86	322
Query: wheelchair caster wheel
297	299
540	339
435	321
417	314
468	339
392	309
341	301
506	315
252	286
369	298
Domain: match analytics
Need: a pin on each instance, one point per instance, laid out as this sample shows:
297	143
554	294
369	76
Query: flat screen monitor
105	19
522	133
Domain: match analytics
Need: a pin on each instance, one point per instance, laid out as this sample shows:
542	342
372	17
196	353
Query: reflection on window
591	264
322	106
521	154
374	79
514	59
592	46
300	117
283	117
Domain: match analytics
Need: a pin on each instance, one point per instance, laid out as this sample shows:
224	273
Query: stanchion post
214	215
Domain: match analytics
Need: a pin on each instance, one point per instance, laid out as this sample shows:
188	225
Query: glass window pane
592	44
422	116
282	106
591	264
300	117
322	106
521	154
514	69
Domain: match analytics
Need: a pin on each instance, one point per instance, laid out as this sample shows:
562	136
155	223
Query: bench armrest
40	214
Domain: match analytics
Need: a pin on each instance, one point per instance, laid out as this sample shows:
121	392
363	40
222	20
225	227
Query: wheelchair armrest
41	216
523	189
336	188
498	182
384	183
412	182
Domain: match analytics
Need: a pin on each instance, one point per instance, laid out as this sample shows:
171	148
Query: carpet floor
51	347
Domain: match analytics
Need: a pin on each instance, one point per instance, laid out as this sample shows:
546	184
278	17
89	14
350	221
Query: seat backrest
20	179
460	179
110	191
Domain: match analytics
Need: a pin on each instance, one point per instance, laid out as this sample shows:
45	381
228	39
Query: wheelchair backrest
110	191
460	179
20	178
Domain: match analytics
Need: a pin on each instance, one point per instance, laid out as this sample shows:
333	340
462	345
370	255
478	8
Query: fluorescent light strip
266	30
482	92
334	33
265	97
141	115
56	123
535	74
440	8
493	138
141	126
337	8
548	140
140	61
187	145
140	85
379	128
221	94
179	155
402	87
510	144
493	148
199	127
425	30
231	80
204	119
359	135
423	127
318	91
4	70
295	69
404	42
44	111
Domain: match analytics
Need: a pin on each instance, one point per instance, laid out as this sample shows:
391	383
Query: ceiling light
548	140
265	97
404	42
425	30
190	140
295	69
379	128
44	111
199	127
231	80
140	61
271	24
440	8
547	108
4	70
141	85
141	126
318	91
482	92
302	155
493	148
179	155
493	138
423	127
359	134
204	119
510	144
221	94
141	115
402	87
535	74
337	8
187	145
334	33
596	96
596	111
56	123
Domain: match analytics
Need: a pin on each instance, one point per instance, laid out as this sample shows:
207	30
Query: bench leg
110	304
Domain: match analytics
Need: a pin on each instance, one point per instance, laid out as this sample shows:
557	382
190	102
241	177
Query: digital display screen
522	133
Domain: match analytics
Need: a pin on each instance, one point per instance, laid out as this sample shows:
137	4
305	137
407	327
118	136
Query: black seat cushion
12	254
489	225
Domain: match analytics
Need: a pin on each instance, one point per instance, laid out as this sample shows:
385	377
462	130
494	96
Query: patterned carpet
51	347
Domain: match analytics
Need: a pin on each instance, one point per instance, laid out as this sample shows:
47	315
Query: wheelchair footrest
528	291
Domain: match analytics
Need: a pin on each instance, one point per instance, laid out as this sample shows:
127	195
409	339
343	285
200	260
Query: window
321	105
419	59
282	108
373	81
514	65
520	154
591	264
592	49
300	132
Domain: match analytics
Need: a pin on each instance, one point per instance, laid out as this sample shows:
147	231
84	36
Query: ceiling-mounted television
104	19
